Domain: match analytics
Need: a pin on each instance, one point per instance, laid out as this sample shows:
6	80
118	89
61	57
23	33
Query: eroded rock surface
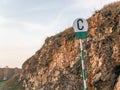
57	65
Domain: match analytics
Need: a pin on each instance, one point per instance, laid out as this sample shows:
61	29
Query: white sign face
80	25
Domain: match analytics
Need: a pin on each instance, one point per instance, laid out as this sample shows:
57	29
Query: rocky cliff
7	73
9	79
57	65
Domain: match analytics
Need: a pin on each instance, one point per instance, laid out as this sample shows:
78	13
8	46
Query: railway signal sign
80	27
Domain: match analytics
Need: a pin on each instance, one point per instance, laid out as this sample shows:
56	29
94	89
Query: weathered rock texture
57	65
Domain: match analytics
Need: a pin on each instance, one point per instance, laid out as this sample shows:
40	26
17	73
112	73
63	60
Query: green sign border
81	35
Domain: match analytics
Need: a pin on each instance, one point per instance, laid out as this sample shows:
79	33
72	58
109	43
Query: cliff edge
57	65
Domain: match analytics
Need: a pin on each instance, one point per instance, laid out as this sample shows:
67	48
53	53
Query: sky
25	24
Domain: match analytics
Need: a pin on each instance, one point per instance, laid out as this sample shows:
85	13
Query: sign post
80	27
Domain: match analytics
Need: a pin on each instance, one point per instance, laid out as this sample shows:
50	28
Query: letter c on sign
78	25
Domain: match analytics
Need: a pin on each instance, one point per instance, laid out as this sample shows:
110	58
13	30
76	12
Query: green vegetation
5	86
11	84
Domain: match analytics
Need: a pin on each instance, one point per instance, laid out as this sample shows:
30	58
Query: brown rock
57	65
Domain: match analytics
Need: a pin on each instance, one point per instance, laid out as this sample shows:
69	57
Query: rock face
7	73
57	65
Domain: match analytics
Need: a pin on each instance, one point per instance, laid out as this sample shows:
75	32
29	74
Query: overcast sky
24	24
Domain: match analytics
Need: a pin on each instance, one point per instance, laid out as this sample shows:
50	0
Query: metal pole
83	66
